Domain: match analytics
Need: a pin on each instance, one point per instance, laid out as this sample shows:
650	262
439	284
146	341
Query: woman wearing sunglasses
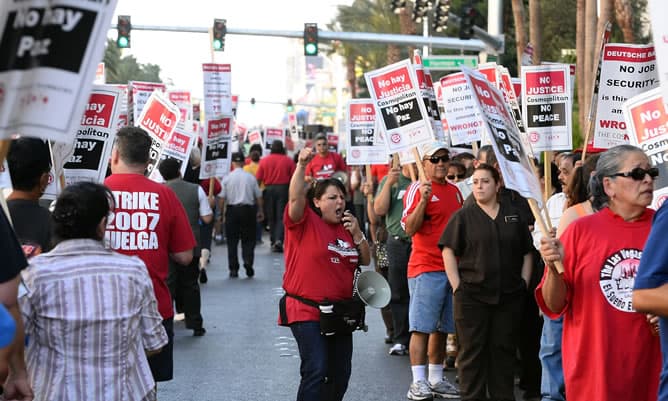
609	350
456	172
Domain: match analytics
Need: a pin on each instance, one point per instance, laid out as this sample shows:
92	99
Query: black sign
216	150
546	115
401	114
87	155
362	137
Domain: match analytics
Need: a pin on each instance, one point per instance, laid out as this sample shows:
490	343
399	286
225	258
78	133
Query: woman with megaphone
487	250
323	247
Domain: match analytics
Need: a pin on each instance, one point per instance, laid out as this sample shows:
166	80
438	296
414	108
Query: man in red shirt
324	163
149	222
428	206
274	172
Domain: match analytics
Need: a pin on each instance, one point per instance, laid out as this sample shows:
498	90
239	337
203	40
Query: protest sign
100	76
438	92
505	85
627	70
181	98
333	142
254	136
95	136
361	128
216	147
658	9
59	152
138	95
217	89
647	121
547	106
159	118
271	135
123	106
465	122
426	87
490	71
399	107
178	148
50	52
504	136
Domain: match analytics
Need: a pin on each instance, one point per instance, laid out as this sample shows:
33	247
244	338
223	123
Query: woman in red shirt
323	246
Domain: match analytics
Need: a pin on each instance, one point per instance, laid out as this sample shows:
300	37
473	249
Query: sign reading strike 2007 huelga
217	89
546	106
399	106
49	54
504	136
626	71
647	120
95	136
361	130
159	118
216	147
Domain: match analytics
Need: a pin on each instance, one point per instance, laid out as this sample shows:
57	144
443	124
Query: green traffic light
122	42
311	49
217	44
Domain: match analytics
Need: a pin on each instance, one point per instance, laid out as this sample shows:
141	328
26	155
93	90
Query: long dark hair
319	187
79	209
577	190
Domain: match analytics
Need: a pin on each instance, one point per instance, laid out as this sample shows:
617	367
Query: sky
259	64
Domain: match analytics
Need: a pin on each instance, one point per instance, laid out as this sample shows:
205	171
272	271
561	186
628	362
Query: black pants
398	253
486	335
183	285
275	199
240	225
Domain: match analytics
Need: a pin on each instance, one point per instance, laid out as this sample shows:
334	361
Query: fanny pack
340	317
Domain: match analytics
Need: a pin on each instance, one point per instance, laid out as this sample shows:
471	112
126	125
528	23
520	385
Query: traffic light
252	101
398	5
123	28
441	15
219	31
289	106
420	8
310	39
467	21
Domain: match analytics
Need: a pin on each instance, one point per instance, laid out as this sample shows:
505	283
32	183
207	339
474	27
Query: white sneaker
398	349
444	389
419	391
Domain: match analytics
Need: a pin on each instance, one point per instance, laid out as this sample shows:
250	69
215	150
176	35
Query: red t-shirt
609	352
320	261
275	169
205	186
149	222
445	200
378	171
323	167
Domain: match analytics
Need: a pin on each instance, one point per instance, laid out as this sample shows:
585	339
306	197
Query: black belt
240	205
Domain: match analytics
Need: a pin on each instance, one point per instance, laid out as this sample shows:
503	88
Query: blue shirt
653	273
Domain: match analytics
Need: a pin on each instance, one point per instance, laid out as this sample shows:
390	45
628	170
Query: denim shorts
430	308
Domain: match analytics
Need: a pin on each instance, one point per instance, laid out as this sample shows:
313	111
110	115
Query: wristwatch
357	243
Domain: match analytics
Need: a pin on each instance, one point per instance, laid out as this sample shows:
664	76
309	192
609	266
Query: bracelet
357	243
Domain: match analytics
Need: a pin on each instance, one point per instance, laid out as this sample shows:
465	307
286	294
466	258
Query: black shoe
388	339
277	247
250	272
199	332
234	273
203	278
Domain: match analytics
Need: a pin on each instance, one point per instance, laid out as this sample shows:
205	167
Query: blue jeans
430	305
552	386
325	362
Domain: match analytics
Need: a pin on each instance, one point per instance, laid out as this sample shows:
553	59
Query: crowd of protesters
475	286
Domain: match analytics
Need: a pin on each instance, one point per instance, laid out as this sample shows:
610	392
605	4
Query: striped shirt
90	314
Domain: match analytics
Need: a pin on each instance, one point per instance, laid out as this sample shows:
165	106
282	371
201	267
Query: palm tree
624	17
520	31
535	30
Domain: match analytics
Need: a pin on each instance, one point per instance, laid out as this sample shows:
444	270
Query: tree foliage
120	70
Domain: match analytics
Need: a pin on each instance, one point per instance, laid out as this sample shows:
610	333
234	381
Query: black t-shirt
490	252
511	198
13	260
32	224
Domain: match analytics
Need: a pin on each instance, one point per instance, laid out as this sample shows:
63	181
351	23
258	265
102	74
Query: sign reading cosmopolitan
647	120
159	118
95	136
360	148
465	122
626	71
504	137
547	105
49	52
399	106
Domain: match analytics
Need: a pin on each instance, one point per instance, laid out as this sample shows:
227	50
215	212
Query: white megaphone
373	289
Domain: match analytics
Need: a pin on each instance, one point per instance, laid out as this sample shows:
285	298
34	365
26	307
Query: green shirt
393	216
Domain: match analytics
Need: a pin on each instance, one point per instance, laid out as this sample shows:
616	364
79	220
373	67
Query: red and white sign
100	78
216	147
138	94
181	98
399	107
647	121
217	89
159	118
271	135
254	136
465	122
178	147
626	71
361	130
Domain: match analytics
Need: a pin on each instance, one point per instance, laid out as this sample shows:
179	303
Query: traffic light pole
484	41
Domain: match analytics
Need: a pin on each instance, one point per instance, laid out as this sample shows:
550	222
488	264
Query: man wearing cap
324	163
241	193
428	205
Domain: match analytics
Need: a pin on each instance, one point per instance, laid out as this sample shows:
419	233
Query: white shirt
240	188
555	209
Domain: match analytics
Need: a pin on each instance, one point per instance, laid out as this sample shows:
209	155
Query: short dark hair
79	209
255	146
134	145
255	156
494	172
554	175
459	166
277	147
28	159
169	169
460	157
490	156
319	187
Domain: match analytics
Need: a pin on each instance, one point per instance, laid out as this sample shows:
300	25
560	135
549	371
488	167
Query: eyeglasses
435	159
638	174
460	176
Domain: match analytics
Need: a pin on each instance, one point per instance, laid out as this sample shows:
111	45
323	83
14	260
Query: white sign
465	122
181	98
50	52
271	135
626	71
505	138
361	130
159	118
138	94
216	147
426	87
178	147
647	120
547	106
399	106
217	89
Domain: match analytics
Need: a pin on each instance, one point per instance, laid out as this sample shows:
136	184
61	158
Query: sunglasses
435	159
460	176
638	174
